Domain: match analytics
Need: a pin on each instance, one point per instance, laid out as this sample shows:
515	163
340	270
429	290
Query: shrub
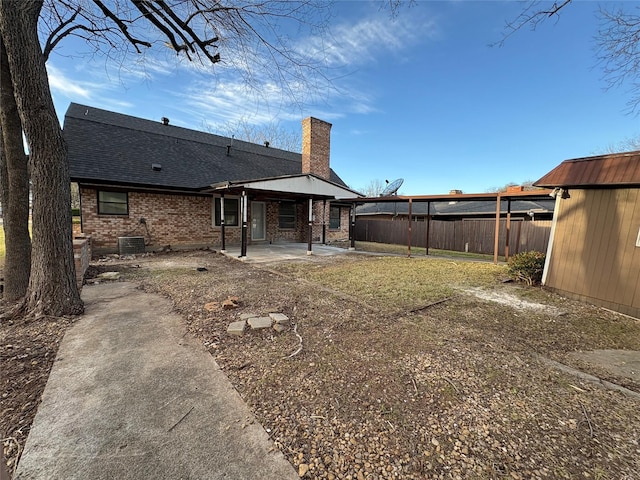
75	212
527	267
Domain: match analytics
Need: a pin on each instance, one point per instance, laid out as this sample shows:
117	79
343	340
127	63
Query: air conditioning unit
130	245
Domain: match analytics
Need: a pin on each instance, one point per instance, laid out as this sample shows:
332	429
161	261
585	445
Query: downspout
547	259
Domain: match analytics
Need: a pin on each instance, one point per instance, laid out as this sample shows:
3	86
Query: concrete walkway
132	396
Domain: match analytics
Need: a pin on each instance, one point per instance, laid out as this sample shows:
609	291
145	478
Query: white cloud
249	86
365	41
67	86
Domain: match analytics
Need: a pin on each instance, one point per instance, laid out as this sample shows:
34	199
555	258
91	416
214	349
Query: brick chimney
316	145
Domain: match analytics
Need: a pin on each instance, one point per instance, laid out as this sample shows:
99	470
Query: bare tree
527	185
534	13
14	190
628	144
241	33
617	40
52	287
272	134
374	188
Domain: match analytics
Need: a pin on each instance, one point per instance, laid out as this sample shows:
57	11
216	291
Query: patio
267	253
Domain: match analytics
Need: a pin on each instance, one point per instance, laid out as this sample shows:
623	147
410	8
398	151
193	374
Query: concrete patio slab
277	252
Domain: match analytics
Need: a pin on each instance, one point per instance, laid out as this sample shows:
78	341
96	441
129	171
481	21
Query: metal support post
243	245
224	248
310	226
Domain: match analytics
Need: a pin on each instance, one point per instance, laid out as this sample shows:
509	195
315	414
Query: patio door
258	221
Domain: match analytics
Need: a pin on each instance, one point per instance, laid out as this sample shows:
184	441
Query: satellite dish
392	188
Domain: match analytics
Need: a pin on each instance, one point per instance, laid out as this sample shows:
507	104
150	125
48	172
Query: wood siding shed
594	255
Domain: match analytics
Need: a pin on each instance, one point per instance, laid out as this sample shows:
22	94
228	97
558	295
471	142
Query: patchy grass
393	283
418	251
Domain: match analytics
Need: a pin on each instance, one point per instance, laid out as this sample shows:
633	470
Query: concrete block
279	327
247	316
259	323
280	318
110	276
236	328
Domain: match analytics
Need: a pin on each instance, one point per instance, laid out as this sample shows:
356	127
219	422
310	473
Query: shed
594	248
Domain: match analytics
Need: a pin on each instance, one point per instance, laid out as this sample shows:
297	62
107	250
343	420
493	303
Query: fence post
409	230
496	240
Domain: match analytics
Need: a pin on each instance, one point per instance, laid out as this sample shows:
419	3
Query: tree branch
52	41
122	26
531	16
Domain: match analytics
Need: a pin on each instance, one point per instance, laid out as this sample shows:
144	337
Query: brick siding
316	147
176	220
331	234
186	221
81	257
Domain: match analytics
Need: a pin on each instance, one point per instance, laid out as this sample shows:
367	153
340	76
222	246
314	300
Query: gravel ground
388	387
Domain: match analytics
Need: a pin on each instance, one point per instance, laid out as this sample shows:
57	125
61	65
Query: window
334	218
231	215
113	203
287	215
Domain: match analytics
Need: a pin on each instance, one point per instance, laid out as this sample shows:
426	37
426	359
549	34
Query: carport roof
458	207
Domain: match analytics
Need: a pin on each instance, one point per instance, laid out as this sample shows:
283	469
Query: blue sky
421	96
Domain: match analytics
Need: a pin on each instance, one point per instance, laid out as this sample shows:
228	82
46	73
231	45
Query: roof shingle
112	148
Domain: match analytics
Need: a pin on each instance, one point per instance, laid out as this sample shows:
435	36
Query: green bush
75	212
527	267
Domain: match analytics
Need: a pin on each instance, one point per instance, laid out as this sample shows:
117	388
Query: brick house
185	188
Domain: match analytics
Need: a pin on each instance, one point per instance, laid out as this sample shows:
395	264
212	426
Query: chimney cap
165	121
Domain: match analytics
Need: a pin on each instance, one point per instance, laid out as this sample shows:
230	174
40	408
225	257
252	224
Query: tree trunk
52	288
14	190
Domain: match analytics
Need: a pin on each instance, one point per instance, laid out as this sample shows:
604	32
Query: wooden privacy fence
470	235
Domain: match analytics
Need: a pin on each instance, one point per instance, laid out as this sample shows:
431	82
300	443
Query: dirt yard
409	368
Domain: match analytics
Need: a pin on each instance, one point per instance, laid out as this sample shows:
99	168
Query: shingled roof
110	148
617	169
